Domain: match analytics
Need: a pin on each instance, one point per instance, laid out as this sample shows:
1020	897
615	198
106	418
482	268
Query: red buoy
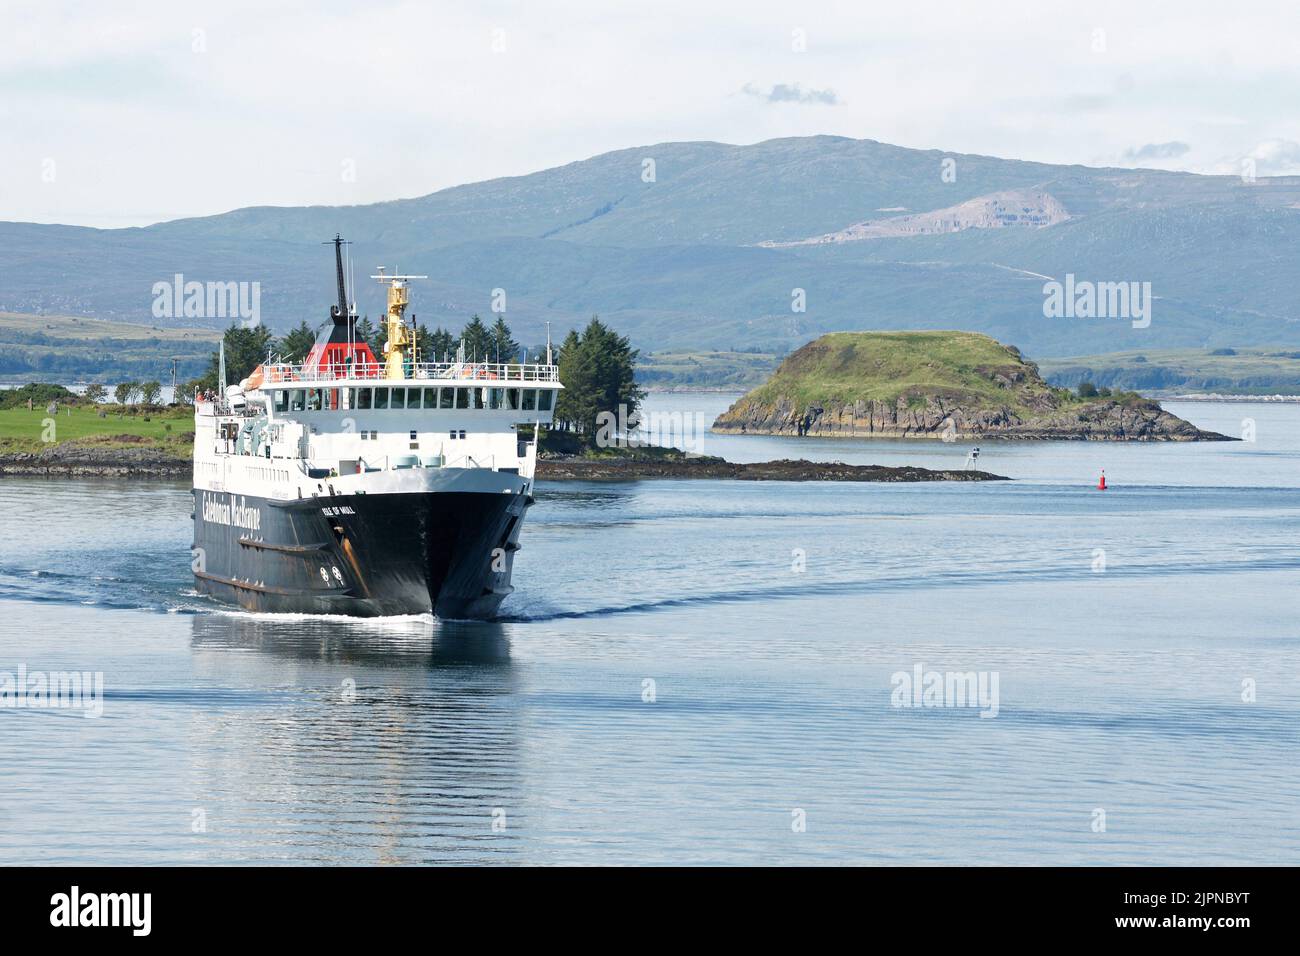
1101	485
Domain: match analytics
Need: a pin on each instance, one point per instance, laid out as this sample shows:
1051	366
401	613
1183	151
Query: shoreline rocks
94	461
638	469
1141	420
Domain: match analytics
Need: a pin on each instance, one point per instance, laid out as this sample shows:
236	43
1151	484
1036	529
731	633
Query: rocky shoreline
90	461
638	469
1133	420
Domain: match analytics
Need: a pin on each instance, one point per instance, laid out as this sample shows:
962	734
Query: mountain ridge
674	261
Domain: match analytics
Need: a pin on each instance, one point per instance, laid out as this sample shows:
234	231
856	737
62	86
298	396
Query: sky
127	113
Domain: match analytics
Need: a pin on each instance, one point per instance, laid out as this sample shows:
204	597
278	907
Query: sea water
701	672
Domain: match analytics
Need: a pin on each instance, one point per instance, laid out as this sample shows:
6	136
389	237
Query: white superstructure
300	425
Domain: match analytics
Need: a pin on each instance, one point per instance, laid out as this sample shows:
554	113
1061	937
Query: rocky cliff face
1031	208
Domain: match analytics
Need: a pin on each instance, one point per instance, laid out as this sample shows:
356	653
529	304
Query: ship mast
336	346
400	343
339	313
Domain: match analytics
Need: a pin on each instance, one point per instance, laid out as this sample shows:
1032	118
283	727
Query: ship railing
212	407
279	373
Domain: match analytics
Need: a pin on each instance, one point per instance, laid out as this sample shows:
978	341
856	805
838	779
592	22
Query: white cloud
792	93
1276	157
1157	151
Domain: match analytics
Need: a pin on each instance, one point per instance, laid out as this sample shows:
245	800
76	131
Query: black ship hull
366	555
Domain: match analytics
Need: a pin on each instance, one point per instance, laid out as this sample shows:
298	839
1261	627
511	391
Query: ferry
354	485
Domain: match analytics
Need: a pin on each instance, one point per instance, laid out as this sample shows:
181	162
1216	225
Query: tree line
597	368
127	393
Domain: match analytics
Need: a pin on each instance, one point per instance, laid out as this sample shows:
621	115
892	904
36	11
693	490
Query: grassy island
938	384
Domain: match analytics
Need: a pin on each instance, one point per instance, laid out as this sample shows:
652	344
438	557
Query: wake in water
940	581
659	548
115	593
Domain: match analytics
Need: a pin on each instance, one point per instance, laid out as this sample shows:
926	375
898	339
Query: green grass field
21	430
964	367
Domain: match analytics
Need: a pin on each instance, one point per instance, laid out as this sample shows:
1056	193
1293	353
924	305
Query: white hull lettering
232	512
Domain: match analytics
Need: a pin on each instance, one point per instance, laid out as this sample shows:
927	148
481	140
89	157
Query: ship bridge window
446	398
496	397
477	397
362	398
413	398
544	399
296	399
462	398
430	398
314	402
512	399
381	398
281	400
399	398
530	399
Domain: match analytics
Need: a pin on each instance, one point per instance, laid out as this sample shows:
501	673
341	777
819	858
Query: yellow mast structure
400	344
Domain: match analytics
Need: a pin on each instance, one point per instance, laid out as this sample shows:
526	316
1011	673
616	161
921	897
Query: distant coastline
1216	397
640	468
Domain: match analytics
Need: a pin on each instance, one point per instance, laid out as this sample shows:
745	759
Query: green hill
935	384
966	368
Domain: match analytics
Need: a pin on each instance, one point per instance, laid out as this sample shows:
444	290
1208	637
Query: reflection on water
393	742
392	642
